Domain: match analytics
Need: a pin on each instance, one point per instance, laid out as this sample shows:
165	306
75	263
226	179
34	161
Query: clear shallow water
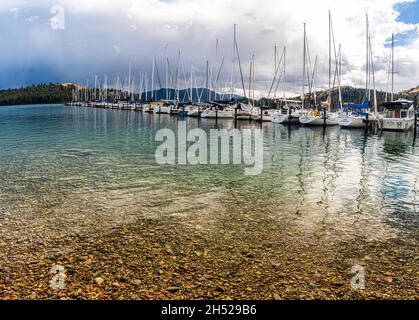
337	183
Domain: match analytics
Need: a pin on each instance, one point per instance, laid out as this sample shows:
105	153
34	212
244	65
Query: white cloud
193	26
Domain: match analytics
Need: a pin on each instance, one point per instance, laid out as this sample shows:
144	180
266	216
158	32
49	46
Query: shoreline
240	255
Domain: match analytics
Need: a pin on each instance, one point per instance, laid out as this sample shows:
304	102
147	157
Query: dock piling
367	122
289	116
324	117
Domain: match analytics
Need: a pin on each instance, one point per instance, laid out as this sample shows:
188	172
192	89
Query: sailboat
219	111
244	110
314	117
397	115
355	115
317	118
290	112
266	115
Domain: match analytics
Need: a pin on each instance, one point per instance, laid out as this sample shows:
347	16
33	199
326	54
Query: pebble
99	281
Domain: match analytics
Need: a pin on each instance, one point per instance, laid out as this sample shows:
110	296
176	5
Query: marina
310	110
88	183
397	116
226	151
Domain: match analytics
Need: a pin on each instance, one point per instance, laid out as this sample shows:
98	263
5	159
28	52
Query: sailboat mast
216	64
238	60
304	67
191	96
250	80
129	79
392	67
253	78
167	86
330	56
177	76
283	77
339	77
275	59
206	81
146	86
233	62
367	93
373	79
314	81
152	80
95	87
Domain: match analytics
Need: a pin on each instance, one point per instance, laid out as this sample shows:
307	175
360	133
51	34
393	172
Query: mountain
357	95
202	93
412	91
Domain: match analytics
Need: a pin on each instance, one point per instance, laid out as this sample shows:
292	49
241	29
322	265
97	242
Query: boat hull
243	115
265	117
165	110
211	114
284	119
310	120
194	113
397	124
352	122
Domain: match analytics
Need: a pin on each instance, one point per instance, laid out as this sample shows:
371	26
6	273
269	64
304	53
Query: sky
74	40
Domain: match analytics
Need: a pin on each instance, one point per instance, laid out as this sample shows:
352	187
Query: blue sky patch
409	12
402	39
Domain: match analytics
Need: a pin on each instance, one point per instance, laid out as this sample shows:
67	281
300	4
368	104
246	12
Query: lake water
338	178
69	174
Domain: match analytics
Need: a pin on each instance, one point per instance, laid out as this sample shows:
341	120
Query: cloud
103	36
15	12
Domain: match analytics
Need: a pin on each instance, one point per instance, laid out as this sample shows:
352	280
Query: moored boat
289	114
355	115
316	118
398	115
266	115
219	112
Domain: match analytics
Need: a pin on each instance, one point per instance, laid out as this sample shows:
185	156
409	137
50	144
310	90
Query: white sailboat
289	114
324	117
397	115
317	118
216	111
244	110
266	115
355	115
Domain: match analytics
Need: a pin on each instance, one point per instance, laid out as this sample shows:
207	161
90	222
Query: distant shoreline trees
61	93
37	94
